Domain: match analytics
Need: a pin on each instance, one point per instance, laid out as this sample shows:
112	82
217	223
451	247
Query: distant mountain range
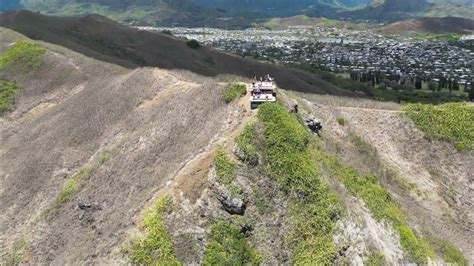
431	25
241	13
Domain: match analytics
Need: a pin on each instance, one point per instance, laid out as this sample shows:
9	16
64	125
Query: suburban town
355	53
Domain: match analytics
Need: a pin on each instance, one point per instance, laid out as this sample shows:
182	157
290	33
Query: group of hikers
257	88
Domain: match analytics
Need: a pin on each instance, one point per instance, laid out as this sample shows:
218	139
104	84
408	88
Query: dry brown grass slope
106	40
134	128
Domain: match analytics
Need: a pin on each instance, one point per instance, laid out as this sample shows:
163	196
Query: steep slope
431	179
431	25
104	39
88	133
101	164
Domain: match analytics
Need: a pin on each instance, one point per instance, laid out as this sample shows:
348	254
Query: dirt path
190	181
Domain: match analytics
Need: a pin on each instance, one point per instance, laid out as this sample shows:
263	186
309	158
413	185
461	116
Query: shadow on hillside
106	40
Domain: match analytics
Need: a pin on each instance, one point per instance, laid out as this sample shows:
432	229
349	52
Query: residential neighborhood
403	59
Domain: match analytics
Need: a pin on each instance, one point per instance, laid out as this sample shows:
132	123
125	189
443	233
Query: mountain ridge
240	14
104	39
431	25
90	149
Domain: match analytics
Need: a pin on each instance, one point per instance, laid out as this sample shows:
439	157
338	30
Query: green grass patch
376	259
453	122
227	246
26	55
7	95
14	256
245	142
73	183
381	203
155	247
234	92
225	167
450	253
314	208
341	121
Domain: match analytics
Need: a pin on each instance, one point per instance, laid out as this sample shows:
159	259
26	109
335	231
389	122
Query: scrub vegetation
73	183
228	246
382	205
234	92
341	121
315	209
453	122
155	246
14	255
26	55
7	95
225	167
450	253
246	145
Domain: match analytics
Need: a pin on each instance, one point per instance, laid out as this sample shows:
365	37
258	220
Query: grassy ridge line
155	247
384	207
453	122
314	208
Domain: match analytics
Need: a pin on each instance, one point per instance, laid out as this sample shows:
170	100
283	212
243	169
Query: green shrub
314	208
450	253
225	167
194	44
341	121
25	54
245	142
7	95
234	92
417	247
71	185
453	122
377	259
227	246
155	247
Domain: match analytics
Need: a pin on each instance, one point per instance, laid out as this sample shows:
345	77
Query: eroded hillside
101	164
118	134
